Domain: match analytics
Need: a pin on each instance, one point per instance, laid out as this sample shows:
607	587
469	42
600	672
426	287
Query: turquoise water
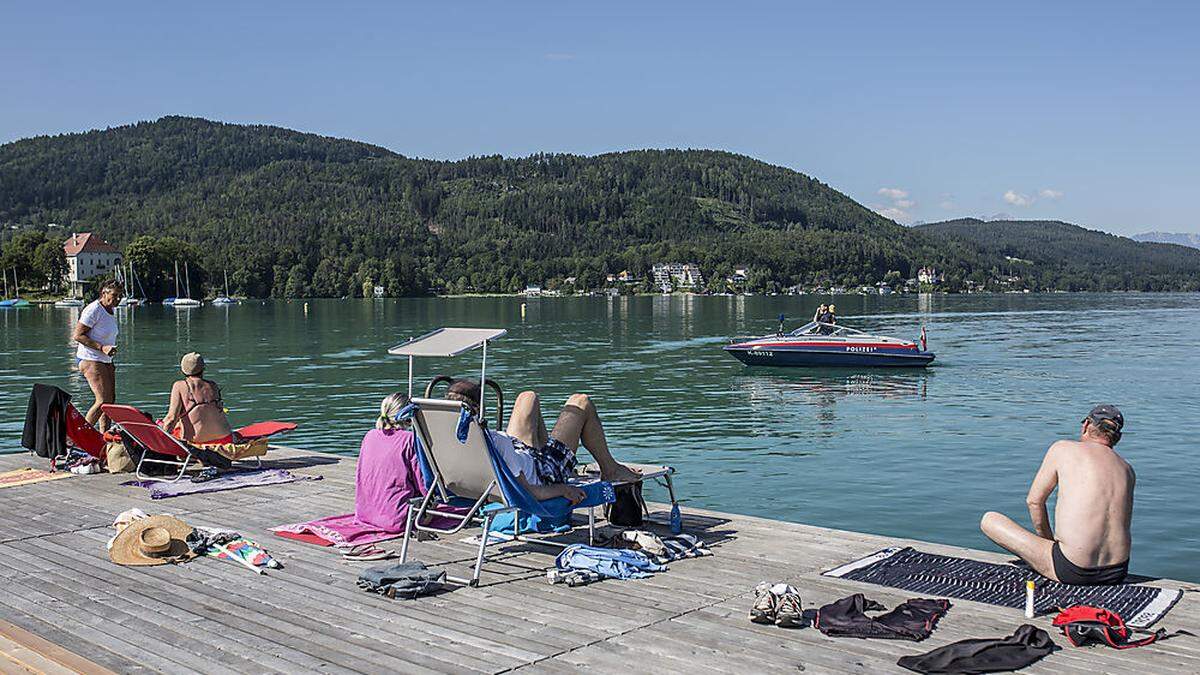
917	454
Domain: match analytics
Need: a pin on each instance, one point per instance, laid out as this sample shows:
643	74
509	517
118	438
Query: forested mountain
1057	255
1180	238
291	214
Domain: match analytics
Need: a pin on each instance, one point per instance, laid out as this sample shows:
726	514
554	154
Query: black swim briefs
1070	573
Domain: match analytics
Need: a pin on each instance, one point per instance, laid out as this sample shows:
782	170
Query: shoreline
45	302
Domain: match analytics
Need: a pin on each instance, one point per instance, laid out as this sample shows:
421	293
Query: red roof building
88	256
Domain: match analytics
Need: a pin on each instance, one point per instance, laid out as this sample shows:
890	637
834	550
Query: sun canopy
447	342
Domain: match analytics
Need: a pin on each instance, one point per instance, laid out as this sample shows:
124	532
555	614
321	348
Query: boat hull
830	356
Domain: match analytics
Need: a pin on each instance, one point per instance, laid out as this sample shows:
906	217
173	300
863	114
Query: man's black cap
1106	412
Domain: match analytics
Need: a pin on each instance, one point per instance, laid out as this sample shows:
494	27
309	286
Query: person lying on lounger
197	413
544	461
1090	542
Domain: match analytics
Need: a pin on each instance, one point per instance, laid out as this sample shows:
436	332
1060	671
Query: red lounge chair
143	429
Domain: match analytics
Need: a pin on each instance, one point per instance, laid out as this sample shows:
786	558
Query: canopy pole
482	383
410	375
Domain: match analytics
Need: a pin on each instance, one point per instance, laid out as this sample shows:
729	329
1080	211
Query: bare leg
101	377
580	423
526	423
1031	548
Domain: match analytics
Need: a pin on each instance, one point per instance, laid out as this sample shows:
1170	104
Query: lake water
917	454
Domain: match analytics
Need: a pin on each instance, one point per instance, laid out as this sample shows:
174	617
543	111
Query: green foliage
38	259
1055	255
290	215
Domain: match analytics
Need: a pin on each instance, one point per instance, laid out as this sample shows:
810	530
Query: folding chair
468	480
150	436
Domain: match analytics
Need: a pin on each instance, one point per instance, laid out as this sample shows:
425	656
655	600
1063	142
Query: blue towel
612	563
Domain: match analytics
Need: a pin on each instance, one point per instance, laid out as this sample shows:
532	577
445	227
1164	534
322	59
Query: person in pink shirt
388	473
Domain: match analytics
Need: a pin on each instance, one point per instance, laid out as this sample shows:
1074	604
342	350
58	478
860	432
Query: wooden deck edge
24	640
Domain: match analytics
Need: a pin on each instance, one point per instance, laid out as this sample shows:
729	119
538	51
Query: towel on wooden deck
1001	584
27	476
609	562
231	481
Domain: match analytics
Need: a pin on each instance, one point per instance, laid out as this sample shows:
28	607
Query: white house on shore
679	275
88	257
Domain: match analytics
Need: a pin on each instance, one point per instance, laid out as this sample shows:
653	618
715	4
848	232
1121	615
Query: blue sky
1086	112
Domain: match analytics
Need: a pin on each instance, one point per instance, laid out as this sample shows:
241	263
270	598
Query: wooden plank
311	617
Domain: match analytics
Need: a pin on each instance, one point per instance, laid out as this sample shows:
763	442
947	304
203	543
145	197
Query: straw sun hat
156	540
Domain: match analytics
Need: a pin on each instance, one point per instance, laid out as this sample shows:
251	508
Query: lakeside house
533	291
683	276
88	256
929	275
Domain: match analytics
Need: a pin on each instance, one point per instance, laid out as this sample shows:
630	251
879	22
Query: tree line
287	214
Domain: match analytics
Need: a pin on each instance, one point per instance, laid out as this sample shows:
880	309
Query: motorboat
69	302
827	344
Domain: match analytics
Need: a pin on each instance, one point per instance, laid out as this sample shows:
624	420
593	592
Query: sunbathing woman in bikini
546	460
197	413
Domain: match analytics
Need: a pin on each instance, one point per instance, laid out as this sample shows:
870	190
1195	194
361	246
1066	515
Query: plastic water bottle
676	520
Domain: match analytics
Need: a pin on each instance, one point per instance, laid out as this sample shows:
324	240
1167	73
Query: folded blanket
406	580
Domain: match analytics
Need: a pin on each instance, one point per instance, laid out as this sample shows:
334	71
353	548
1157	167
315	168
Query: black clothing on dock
985	655
45	431
911	620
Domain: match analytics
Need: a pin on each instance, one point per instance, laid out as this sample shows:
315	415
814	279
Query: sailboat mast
187	280
227	283
177	278
5	273
16	284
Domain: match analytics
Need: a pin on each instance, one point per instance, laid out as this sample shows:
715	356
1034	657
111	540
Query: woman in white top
96	334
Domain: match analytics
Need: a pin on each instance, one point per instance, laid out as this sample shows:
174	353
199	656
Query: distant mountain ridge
293	214
1070	257
1178	238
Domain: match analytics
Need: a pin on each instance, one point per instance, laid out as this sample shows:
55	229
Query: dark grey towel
405	580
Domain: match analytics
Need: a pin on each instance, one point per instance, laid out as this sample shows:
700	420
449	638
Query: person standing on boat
1090	542
96	337
197	413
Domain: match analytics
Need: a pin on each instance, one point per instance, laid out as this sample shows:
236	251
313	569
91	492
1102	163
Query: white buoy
522	310
306	309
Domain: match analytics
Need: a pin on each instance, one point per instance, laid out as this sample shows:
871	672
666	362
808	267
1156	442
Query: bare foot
621	474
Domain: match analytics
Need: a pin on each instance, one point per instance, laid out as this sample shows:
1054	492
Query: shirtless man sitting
1095	505
544	461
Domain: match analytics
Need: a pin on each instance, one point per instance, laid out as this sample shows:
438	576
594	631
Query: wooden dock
65	607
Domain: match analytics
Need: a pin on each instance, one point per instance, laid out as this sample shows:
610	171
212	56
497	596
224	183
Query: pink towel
387	477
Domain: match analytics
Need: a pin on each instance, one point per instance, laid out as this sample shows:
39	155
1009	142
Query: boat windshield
817	328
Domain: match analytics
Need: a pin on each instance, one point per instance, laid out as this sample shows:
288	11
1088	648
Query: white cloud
948	205
1047	193
891	212
904	203
1017	199
893	193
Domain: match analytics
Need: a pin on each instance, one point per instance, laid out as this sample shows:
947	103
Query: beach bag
1084	625
118	459
629	507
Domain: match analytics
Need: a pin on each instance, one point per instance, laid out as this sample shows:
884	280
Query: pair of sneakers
778	604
